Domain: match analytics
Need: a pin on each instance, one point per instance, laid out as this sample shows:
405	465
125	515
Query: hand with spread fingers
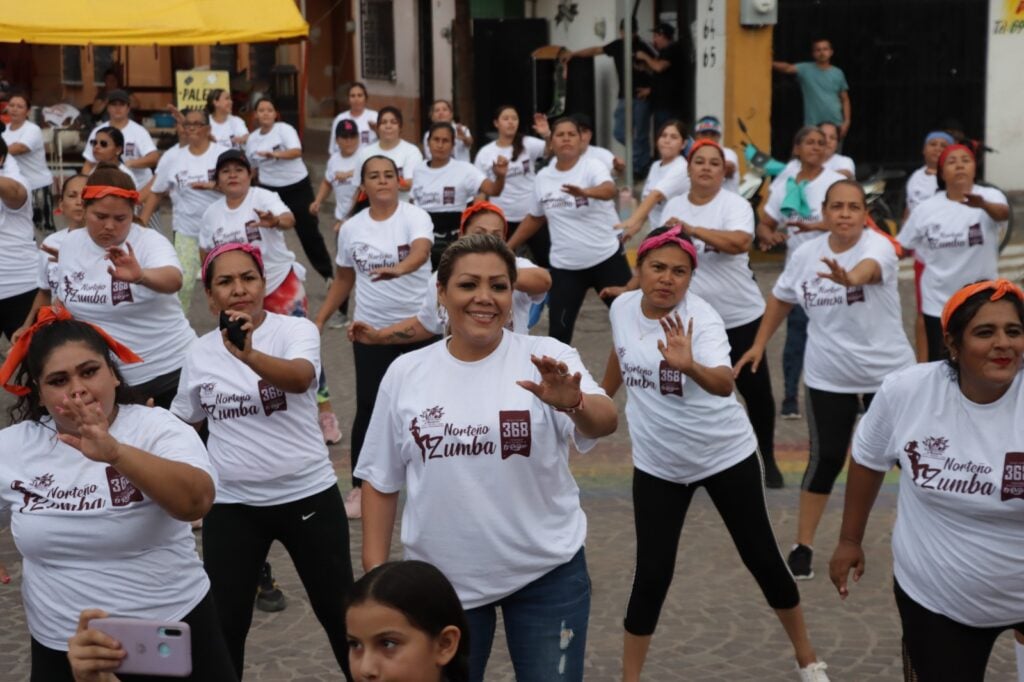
837	273
677	348
558	387
123	264
93	438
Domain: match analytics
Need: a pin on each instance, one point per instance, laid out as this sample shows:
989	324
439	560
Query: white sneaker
814	672
338	321
354	508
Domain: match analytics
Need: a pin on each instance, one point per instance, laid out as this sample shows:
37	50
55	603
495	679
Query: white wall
1004	105
581	33
407	61
441	19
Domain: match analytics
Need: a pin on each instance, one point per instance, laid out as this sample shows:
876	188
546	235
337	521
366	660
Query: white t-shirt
276	172
406	156
723	280
835	163
47	265
365	244
448	189
497	506
855	336
366	133
434	317
232	126
265	443
460	151
222	225
671	180
176	178
582	230
18	251
137	144
815	193
151	324
89	538
680	432
33	162
958	245
344	190
921	186
515	198
601	155
958	543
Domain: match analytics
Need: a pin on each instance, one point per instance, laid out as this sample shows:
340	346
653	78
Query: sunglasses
101	143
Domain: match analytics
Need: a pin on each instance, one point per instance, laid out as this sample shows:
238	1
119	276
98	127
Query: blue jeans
641	131
793	351
545	626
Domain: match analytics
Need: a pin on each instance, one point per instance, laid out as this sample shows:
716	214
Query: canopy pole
627	95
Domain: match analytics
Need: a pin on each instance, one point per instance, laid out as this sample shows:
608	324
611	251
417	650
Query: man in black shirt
641	94
669	75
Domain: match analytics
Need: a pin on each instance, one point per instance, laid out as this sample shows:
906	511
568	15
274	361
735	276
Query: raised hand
837	273
677	348
974	200
245	354
268	219
123	264
93	439
500	167
574	190
558	388
52	252
541	125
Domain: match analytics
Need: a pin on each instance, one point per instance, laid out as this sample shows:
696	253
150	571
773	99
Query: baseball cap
233	156
118	96
708	124
667	30
346	128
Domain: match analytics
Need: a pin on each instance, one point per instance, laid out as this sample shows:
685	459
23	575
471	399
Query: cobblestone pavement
715	624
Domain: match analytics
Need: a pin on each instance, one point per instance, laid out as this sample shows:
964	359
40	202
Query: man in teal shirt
826	93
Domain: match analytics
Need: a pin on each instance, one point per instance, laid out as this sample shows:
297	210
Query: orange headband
100	191
47	316
704	142
1000	287
479	207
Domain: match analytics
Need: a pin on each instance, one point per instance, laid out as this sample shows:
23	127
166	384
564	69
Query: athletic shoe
772	476
790	409
329	428
338	321
354	503
800	563
815	672
268	597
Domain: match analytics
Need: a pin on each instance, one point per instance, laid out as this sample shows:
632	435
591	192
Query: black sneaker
800	562
772	476
790	409
268	597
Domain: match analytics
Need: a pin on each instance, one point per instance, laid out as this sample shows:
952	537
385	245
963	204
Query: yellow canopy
149	22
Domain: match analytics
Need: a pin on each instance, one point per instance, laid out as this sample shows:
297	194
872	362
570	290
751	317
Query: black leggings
314	530
830	421
756	388
659	510
939	649
161	389
936	343
372	363
297	198
569	288
539	243
210	660
14	310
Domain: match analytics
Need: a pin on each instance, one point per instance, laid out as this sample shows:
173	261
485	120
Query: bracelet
142	276
578	407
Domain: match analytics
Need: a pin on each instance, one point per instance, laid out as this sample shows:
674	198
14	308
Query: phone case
234	327
154	647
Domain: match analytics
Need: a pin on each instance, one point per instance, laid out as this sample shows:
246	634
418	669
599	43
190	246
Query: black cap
346	128
233	156
119	96
667	30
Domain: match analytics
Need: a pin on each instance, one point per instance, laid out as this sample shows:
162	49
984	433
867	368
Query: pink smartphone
154	647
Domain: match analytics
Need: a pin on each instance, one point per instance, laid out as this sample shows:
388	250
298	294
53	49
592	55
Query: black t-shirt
615	50
669	85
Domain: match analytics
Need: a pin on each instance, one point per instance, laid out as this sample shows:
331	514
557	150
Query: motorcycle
761	167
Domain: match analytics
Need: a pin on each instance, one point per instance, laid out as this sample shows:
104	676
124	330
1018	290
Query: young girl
405	624
340	174
666	180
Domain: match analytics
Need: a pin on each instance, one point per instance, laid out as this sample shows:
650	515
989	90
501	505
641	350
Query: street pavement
715	624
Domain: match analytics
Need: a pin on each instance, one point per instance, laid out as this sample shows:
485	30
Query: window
262	58
223	58
103	59
377	37
71	65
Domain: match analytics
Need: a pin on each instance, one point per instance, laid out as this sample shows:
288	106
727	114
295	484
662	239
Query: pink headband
672	236
253	251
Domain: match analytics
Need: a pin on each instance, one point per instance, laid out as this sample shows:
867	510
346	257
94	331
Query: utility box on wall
759	12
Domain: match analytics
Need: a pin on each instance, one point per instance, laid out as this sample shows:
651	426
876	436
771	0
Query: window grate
378	39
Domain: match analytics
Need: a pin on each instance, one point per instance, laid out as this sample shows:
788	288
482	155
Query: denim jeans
641	131
793	351
545	626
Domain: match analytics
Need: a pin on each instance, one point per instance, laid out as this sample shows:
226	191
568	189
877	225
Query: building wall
1004	99
442	16
748	81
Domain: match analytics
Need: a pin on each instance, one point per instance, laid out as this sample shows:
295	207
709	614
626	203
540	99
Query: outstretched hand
93	437
837	273
123	264
677	348
558	387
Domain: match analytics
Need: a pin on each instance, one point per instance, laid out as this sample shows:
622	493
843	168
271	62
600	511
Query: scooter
761	167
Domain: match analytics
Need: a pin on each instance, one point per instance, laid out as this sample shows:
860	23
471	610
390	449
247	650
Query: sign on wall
1011	19
192	87
709	38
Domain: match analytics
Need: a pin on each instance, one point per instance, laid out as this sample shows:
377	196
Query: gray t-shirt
821	88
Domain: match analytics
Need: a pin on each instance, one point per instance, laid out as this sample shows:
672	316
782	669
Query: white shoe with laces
814	672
